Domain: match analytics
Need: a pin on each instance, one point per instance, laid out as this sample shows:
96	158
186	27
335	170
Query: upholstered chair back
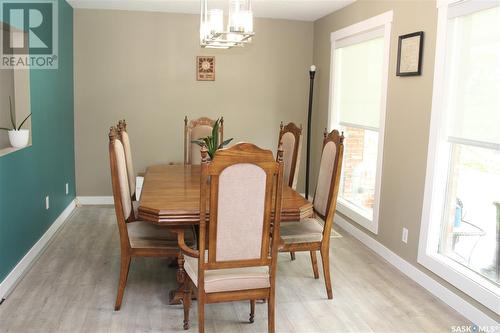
122	178
240	208
239	182
196	129
121	190
124	137
325	197
290	139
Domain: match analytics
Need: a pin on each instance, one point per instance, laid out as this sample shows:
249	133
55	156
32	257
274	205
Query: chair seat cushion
147	235
305	231
229	279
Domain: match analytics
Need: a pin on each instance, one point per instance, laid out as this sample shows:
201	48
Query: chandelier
239	30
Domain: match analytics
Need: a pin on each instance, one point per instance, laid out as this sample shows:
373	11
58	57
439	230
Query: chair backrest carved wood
121	192
125	139
196	129
242	185
327	188
290	137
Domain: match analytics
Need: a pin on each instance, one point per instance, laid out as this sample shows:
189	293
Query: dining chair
195	129
290	138
125	139
137	238
313	234
237	252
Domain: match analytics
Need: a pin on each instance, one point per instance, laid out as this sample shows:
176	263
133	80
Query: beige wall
407	121
141	66
6	90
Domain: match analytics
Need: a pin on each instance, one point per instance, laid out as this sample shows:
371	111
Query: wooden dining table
170	197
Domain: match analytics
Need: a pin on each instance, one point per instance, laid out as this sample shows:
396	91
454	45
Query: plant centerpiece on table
18	137
211	142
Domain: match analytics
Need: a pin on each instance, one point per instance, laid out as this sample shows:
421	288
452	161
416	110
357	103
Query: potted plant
18	137
211	142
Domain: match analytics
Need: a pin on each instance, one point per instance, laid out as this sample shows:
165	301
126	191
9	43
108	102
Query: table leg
176	295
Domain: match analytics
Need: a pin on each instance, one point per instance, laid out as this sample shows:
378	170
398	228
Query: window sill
10	150
469	282
355	214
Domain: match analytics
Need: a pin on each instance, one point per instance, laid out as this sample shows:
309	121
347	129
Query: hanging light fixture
239	29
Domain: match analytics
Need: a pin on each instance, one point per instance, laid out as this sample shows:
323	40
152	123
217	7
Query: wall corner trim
24	265
434	287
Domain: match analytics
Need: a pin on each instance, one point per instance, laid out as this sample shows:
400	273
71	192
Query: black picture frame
420	54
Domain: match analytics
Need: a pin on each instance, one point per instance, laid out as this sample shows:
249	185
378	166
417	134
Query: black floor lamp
312	72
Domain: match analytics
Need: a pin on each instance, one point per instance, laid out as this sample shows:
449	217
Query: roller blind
473	73
358	62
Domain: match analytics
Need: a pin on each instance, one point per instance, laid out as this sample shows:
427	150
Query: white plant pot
19	139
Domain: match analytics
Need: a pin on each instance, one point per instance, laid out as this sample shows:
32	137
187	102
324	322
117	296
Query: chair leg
314	262
252	310
325	257
270	313
122	282
201	314
186	304
292	256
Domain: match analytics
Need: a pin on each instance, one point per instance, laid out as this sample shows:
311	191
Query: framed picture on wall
410	49
205	68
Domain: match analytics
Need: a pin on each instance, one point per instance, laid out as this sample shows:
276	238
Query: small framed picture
205	68
410	49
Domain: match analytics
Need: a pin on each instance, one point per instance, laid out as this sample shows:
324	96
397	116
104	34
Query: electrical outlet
67	188
404	237
47	205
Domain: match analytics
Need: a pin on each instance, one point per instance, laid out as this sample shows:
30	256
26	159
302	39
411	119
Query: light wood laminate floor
72	288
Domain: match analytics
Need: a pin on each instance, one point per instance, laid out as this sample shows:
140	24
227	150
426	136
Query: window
460	237
360	55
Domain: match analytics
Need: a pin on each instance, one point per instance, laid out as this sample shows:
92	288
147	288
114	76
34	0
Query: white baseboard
22	267
104	200
444	294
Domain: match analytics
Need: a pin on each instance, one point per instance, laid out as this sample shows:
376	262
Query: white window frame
384	21
435	182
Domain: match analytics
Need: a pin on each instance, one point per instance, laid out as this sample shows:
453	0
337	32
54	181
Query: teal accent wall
30	174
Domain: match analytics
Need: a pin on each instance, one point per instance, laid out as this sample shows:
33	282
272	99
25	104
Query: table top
171	196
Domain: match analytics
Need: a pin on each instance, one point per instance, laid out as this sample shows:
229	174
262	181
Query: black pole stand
312	72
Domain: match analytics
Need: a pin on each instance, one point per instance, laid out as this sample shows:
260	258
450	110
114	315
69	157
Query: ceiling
304	10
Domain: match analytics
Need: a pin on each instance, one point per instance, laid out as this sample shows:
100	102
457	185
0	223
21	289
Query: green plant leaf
23	122
225	143
211	144
215	133
12	114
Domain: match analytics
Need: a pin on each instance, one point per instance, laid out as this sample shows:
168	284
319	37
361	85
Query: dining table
170	197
